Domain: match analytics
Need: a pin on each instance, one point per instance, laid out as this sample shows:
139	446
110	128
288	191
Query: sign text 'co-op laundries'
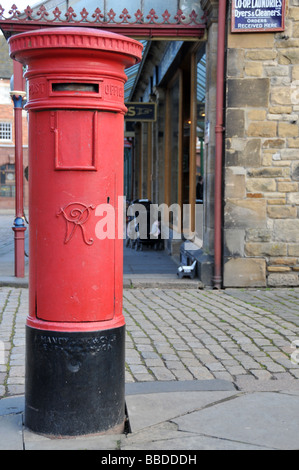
250	16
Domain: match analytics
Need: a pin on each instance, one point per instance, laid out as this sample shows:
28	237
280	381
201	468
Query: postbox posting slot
79	87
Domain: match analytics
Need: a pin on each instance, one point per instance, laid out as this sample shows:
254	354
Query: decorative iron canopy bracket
138	25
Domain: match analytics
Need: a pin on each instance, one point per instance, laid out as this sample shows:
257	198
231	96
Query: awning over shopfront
138	18
133	72
146	20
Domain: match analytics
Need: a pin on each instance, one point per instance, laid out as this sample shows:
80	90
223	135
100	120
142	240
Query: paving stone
9	438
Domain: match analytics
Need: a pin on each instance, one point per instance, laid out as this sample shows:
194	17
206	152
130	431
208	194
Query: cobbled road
244	336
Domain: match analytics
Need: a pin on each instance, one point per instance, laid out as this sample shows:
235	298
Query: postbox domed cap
23	45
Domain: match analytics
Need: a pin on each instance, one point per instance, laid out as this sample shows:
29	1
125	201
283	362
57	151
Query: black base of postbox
75	382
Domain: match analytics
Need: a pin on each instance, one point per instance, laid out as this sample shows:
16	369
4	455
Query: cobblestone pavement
243	336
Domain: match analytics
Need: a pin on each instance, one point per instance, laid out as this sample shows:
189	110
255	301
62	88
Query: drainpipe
17	95
219	129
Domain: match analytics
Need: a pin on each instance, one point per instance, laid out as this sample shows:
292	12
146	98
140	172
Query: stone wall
261	193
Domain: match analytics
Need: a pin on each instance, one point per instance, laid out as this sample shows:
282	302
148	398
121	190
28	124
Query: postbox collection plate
76	145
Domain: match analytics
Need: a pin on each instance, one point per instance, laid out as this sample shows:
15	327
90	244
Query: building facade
261	192
260	136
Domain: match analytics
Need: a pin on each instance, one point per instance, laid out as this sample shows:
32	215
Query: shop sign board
249	16
140	112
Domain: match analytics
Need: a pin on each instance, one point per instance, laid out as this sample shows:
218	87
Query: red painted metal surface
136	24
76	121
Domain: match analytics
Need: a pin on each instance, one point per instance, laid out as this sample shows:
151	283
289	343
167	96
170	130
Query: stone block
258	235
280	96
280	109
279	201
234	242
286	187
266	54
293	13
274	143
293	198
289	154
252	153
276	70
235	60
244	272
235	121
237	143
281	81
283	279
295	95
286	129
287	231
251	92
234	184
266	249
269	157
254	69
260	185
262	129
295	30
254	195
295	171
257	114
270	172
245	213
282	212
286	261
240	152
293	143
205	267
251	41
293	249
278	269
288	56
232	157
295	72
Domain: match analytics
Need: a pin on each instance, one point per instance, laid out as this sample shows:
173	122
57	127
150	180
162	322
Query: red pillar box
75	330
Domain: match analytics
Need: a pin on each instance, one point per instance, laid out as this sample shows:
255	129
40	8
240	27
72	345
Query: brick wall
261	194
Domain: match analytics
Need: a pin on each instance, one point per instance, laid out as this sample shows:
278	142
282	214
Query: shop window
7	180
5	131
